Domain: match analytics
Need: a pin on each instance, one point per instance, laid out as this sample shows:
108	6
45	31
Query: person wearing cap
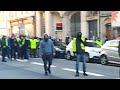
47	50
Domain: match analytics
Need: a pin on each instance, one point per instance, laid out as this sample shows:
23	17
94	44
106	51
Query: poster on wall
59	26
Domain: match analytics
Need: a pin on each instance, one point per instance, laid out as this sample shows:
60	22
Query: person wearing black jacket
4	45
24	47
15	48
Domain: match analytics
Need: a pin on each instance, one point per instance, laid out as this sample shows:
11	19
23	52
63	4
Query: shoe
46	73
49	71
77	75
4	61
85	74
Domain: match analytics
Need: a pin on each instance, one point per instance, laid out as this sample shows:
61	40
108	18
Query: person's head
79	35
105	36
46	37
22	37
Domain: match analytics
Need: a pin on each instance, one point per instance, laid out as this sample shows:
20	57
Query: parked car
92	51
60	48
110	53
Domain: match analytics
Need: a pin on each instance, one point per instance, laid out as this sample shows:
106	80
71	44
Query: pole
99	22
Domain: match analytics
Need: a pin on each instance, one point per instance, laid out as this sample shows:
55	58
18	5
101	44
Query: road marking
117	78
73	70
41	64
22	60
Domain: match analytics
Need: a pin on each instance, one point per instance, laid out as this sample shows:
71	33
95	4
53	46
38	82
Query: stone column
84	24
48	23
38	24
66	27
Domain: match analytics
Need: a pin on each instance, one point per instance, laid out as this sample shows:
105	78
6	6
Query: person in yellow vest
99	42
33	46
22	42
4	45
19	48
79	49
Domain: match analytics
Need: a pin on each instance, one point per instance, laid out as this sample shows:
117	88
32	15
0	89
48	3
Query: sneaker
77	74
4	61
46	73
85	74
49	71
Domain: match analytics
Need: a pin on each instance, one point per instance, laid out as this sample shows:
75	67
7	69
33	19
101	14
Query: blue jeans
80	56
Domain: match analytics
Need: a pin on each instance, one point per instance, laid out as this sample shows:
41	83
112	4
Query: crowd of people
24	47
19	47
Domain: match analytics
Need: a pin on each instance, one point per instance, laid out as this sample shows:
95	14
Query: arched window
75	23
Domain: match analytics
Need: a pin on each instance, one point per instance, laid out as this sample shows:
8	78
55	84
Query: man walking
47	50
79	50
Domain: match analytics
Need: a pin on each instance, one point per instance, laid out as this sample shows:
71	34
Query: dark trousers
19	52
14	52
33	53
24	53
4	53
47	59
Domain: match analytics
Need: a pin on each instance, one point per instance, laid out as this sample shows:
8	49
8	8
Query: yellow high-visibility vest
6	42
81	44
33	43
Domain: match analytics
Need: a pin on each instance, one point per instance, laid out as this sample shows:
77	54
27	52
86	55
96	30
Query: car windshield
92	44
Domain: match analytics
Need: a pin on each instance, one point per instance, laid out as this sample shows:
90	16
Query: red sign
58	24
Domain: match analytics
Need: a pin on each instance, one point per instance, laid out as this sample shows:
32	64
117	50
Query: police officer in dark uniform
4	44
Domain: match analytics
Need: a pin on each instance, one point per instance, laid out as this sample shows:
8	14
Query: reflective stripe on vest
81	44
33	43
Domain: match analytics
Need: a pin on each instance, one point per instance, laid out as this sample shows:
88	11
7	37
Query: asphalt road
61	69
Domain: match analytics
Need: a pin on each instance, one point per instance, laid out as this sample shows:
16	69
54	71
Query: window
92	29
92	44
75	23
113	44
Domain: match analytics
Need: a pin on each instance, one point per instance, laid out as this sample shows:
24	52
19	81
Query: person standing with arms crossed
79	50
47	50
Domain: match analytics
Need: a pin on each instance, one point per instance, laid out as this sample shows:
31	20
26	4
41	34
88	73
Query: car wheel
104	60
68	56
87	57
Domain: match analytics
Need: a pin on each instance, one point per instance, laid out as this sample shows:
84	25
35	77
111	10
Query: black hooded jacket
79	50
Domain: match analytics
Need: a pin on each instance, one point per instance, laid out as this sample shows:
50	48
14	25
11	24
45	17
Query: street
61	69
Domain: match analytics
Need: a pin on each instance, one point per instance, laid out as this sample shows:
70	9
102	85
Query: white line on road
73	70
41	64
117	78
22	60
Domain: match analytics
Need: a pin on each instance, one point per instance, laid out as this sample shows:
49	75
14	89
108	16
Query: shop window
92	29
